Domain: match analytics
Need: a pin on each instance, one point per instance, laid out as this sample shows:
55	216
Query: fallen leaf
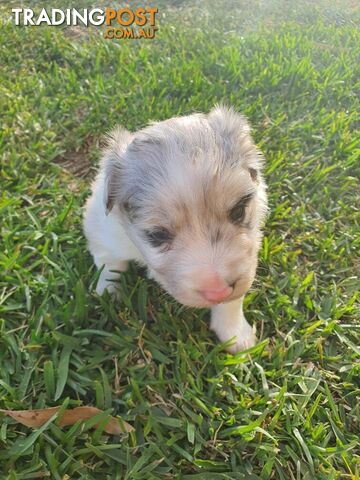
36	418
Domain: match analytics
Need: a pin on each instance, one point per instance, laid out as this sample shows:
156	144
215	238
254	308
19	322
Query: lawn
288	408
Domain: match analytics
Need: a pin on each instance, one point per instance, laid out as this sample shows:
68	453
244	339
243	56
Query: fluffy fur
186	198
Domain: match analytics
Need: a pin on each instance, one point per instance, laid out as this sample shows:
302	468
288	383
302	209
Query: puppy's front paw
108	278
242	334
243	340
110	287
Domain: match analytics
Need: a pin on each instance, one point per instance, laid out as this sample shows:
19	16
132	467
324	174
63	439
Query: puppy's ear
111	182
113	165
228	123
233	133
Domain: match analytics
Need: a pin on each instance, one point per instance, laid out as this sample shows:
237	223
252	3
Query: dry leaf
37	418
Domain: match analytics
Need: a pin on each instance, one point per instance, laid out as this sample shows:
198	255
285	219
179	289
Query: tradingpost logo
119	23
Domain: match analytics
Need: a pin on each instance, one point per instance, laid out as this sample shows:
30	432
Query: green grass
287	409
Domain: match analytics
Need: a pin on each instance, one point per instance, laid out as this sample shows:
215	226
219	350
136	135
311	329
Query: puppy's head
192	199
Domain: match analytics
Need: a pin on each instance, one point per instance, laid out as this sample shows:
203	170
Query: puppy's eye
237	212
158	236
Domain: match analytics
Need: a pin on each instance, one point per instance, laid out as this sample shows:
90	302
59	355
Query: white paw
242	343
112	287
243	337
108	278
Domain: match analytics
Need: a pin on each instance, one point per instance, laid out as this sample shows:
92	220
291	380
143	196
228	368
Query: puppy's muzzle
217	290
217	295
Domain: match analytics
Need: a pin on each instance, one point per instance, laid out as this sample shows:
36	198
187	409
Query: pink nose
217	295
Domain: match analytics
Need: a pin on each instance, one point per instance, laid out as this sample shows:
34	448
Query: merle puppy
186	198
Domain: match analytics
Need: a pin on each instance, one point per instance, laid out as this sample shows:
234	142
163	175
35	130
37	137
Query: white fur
183	175
228	321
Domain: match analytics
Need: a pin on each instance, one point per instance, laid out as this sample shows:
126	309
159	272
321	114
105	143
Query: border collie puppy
186	198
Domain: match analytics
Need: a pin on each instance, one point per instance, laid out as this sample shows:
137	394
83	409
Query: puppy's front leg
108	277
228	321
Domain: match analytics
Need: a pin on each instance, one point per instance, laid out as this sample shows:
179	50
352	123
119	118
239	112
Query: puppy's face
192	200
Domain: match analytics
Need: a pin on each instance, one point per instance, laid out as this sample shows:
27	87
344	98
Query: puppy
186	198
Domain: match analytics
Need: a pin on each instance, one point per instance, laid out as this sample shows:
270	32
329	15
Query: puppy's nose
217	295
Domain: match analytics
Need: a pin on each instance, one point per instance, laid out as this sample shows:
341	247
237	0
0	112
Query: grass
288	408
